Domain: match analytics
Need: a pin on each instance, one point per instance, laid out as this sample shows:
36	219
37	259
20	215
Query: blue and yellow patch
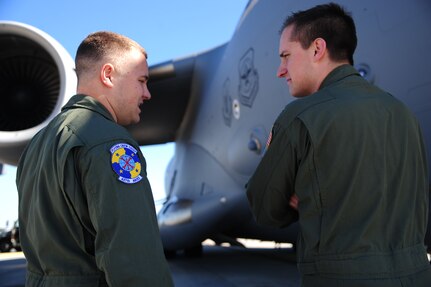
125	162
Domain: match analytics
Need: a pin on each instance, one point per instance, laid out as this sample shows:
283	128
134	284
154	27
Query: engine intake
36	79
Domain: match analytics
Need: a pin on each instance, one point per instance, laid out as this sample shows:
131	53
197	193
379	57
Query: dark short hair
100	45
329	22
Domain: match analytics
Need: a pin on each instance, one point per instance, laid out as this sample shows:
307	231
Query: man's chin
130	122
134	122
297	94
137	120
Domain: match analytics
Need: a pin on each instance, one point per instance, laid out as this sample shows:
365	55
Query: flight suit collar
86	102
338	74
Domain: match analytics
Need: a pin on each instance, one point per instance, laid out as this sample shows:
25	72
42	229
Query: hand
293	202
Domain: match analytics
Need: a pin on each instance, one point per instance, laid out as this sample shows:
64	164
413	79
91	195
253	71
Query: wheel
5	247
193	252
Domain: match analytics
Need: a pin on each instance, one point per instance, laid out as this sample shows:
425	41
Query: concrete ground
217	267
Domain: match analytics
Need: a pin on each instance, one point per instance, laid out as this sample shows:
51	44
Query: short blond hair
103	45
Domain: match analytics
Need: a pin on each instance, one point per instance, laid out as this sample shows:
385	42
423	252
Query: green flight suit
86	210
354	155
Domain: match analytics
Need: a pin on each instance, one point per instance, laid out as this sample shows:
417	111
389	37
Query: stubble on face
295	61
132	88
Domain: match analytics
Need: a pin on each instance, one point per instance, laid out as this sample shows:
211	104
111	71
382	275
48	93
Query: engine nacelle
37	78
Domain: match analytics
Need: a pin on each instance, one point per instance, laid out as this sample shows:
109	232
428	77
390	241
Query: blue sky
167	29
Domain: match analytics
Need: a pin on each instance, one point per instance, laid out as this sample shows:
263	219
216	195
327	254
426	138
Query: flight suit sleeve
273	183
128	247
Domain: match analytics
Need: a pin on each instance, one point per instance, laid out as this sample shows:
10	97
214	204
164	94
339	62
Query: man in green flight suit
86	209
348	159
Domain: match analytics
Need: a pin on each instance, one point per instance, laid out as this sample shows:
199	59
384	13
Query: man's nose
147	95
281	72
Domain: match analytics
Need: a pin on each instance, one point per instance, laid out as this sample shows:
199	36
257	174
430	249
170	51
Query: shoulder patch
125	162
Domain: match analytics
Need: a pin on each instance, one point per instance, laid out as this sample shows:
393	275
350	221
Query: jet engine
37	78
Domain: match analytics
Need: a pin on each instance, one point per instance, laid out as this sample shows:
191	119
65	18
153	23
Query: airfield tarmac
218	267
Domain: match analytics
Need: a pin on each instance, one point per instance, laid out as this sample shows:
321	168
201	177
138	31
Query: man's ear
106	75
319	46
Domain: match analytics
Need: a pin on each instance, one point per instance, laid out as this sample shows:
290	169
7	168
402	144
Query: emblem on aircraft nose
231	107
227	103
249	79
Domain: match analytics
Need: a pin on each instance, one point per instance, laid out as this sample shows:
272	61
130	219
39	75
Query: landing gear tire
169	254
5	247
193	252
